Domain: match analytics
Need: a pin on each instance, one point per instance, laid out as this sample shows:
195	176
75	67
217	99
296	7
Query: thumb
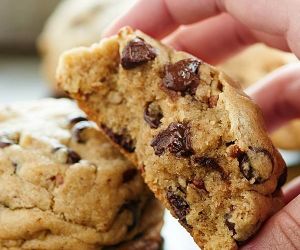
278	95
282	231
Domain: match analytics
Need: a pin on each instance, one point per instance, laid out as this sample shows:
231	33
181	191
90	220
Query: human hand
214	30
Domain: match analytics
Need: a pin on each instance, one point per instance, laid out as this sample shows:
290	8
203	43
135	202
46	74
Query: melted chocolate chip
245	164
129	175
76	118
136	53
230	225
207	162
199	184
282	179
78	129
176	139
72	156
227	144
182	76
262	151
15	166
210	163
153	115
133	207
180	206
121	139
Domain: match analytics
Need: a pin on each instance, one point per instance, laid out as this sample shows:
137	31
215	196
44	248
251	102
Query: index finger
158	18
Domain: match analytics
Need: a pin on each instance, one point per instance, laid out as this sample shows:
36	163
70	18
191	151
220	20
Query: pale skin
214	30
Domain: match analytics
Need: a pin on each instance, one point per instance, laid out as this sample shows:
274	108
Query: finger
152	17
291	190
272	40
282	231
161	17
278	95
279	18
206	39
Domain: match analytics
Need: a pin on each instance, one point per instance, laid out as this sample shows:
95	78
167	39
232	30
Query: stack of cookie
197	139
64	186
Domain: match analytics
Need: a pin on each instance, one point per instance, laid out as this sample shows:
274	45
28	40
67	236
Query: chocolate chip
153	114
182	76
58	179
5	142
246	163
129	175
78	129
230	225
263	151
180	206
73	119
136	53
198	184
282	179
15	166
176	139
72	157
133	207
121	139
207	162
227	144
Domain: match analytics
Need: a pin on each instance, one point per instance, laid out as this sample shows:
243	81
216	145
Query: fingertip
278	95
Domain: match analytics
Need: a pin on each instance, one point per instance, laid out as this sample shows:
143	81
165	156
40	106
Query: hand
217	29
214	30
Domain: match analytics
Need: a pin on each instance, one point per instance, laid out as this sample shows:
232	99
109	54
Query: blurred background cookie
63	186
76	23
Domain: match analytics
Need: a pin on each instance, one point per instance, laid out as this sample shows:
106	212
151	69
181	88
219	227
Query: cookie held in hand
198	139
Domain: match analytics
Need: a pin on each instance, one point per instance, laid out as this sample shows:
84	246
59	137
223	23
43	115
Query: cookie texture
197	138
64	186
75	23
252	65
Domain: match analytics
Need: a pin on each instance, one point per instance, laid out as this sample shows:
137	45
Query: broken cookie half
198	140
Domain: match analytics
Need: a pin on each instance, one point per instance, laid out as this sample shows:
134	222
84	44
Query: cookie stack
197	139
64	186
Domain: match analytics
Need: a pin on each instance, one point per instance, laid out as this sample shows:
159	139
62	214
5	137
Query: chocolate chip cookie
63	186
198	139
252	65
